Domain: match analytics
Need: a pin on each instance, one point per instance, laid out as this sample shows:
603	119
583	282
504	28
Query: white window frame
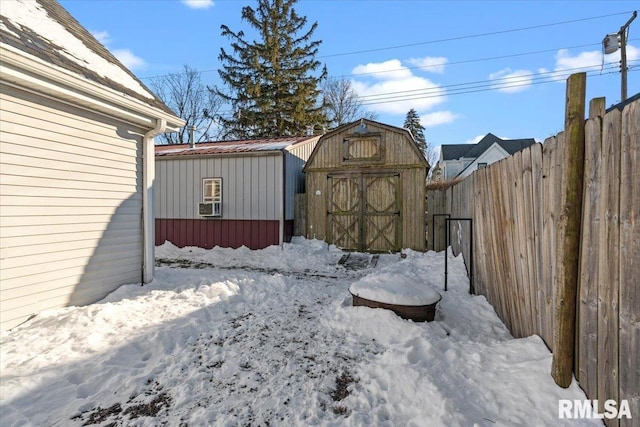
215	199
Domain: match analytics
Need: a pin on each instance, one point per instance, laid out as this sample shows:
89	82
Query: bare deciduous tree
192	101
342	104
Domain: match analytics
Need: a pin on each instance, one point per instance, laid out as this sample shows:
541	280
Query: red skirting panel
226	233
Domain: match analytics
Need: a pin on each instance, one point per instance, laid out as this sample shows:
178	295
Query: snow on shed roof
44	29
232	147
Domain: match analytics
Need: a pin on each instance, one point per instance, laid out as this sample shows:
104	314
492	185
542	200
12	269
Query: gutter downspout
148	220
284	198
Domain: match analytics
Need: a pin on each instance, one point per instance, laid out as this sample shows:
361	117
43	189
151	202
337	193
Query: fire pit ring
403	295
417	313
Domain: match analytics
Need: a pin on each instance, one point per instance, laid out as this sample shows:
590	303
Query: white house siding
251	186
491	155
453	167
70	205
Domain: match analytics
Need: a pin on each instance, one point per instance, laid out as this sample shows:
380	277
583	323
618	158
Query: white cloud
198	4
101	36
475	140
567	63
509	81
437	118
584	61
434	64
127	58
392	69
390	87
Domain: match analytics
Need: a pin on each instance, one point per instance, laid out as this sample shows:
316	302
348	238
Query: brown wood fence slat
515	204
629	354
536	192
587	323
608	260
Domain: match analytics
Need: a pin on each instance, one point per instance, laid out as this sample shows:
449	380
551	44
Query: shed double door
364	212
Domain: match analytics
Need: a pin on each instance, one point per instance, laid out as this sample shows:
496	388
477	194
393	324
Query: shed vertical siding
71	204
252	200
295	159
397	155
414	206
250	186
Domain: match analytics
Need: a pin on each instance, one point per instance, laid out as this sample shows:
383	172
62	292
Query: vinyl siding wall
70	205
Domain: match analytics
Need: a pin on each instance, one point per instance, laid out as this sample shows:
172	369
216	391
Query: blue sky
467	67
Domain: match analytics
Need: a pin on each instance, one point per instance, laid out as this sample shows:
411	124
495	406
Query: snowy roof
230	147
45	30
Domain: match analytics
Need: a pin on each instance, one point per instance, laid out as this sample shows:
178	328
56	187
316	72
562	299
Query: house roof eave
33	74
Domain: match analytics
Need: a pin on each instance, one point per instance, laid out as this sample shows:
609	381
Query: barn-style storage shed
365	187
229	193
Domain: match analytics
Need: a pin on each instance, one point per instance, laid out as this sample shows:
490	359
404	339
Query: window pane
216	190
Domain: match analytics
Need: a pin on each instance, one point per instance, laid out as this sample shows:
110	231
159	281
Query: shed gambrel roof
44	30
232	147
353	126
472	151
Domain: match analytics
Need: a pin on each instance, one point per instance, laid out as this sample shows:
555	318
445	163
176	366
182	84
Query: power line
480	86
467	61
553	75
446	40
492	33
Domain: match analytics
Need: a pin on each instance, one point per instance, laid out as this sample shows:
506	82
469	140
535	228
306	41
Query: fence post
568	237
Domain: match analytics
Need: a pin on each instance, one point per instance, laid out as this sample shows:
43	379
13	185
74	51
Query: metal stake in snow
446	250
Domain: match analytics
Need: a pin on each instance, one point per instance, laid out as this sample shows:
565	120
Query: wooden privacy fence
520	211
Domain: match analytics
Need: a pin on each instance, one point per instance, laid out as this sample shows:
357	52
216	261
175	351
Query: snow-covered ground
269	338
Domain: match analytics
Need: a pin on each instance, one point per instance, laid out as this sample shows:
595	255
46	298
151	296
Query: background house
230	193
460	160
76	164
365	188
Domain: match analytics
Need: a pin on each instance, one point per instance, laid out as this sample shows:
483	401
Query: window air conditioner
209	209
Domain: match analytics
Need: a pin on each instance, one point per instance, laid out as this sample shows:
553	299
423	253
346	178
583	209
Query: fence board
587	323
629	355
527	259
537	193
516	203
483	269
552	158
522	270
608	268
512	254
435	205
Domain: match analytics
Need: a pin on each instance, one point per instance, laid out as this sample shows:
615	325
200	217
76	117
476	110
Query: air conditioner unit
210	209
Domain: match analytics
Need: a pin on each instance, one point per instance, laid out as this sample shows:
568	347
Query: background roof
229	147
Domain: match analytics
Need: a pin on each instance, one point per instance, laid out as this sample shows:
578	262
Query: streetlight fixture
614	41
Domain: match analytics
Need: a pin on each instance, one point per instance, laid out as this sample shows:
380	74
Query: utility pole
623	56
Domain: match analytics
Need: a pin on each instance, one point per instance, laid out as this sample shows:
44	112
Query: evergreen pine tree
271	84
412	122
